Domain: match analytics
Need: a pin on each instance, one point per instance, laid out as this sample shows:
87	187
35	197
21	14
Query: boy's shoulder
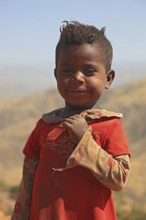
94	114
52	117
91	114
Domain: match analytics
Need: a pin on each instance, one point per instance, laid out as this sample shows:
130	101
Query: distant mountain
19	116
18	81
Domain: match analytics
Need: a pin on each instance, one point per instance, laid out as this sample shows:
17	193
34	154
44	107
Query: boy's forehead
70	48
83	52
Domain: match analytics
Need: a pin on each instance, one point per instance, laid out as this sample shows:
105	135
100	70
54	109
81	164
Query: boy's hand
76	126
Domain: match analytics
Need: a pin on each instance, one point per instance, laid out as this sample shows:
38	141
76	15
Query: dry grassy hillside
18	117
130	99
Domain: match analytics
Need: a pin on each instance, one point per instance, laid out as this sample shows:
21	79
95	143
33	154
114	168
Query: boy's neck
69	110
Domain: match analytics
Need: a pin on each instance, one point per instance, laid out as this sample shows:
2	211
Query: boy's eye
89	72
67	72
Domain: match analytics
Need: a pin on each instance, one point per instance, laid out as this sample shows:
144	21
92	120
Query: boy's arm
111	172
23	204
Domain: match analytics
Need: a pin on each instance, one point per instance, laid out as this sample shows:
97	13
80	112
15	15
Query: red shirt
74	194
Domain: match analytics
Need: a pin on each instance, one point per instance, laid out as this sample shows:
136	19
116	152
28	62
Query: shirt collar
89	115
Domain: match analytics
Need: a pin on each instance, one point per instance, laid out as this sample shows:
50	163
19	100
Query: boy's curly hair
76	33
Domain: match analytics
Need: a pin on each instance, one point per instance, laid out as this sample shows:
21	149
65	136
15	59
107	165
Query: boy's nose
78	75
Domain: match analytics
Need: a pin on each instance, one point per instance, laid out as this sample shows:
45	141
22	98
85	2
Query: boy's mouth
77	91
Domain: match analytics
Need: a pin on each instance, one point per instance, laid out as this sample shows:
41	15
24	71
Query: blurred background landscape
18	117
29	33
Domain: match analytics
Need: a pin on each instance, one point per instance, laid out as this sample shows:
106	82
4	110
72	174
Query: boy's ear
110	75
55	74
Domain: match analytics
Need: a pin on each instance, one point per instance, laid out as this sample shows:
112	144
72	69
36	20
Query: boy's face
81	75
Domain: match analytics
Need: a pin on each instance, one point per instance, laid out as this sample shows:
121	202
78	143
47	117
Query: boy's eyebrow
89	64
93	65
65	64
86	64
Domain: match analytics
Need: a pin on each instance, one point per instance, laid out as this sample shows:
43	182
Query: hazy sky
29	29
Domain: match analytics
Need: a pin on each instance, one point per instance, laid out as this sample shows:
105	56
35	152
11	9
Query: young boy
76	155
